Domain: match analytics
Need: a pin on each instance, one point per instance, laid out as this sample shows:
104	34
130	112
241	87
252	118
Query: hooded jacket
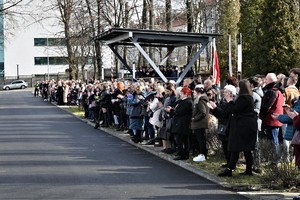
272	102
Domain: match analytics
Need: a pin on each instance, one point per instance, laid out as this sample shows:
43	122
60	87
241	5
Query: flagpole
229	55
213	56
240	58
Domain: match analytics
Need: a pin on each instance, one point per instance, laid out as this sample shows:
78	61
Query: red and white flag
216	68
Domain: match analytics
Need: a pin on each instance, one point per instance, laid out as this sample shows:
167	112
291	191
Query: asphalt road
46	153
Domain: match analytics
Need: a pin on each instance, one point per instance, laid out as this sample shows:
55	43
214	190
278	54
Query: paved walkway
267	195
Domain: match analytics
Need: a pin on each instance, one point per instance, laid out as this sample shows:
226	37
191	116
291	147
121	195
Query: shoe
136	139
199	158
168	151
163	151
226	172
120	129
181	158
246	173
96	126
151	142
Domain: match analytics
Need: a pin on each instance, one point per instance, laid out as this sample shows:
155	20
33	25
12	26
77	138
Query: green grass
75	110
213	166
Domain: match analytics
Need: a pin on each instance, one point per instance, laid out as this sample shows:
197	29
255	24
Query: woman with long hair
242	130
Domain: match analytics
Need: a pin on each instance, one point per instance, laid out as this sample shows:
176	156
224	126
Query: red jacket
272	102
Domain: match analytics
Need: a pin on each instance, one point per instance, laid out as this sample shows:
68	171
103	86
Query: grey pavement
47	153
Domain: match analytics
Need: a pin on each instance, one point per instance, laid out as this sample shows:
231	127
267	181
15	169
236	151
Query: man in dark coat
272	102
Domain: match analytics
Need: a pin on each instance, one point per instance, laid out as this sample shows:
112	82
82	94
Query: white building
34	41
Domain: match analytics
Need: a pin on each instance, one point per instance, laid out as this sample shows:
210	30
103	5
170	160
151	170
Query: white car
17	84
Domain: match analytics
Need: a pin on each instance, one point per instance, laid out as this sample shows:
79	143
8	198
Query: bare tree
66	9
5	7
96	29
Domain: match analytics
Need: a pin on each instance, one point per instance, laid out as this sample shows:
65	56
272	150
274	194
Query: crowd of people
178	117
168	71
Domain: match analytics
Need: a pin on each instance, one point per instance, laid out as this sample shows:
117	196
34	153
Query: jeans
256	153
272	134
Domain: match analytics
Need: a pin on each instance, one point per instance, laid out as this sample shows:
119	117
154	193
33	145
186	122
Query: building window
49	42
40	60
40	41
56	42
52	61
58	61
89	60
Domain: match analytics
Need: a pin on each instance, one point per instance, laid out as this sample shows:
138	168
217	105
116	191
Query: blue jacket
285	119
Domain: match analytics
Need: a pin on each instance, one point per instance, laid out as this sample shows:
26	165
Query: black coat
223	111
242	125
182	116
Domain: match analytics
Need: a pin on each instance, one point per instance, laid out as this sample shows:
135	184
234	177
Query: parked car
17	84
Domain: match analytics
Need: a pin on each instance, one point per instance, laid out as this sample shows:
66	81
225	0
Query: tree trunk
168	22
189	25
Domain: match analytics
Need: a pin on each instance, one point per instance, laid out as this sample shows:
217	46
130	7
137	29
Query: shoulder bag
296	138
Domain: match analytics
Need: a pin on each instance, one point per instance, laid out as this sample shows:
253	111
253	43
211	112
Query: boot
138	137
105	120
120	128
96	125
249	162
226	172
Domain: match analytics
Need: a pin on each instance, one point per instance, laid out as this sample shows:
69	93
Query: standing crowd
179	118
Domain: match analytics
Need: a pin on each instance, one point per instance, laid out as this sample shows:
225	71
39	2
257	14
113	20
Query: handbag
222	129
296	138
163	132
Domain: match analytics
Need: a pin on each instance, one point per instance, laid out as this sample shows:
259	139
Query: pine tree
251	12
229	16
279	43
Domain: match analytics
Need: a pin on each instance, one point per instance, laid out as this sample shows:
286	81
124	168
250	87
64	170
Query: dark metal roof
121	36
